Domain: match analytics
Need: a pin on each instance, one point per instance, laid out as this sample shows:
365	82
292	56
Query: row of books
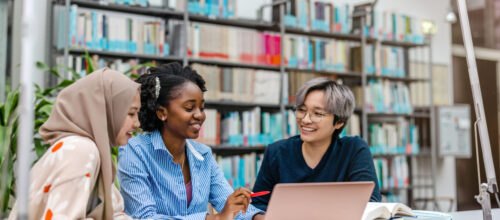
317	53
320	15
240	171
233	44
385	61
79	64
211	8
263	87
246	128
379	60
119	32
392	173
255	128
394	197
142	3
352	127
398	137
392	25
111	31
315	15
419	91
240	84
385	96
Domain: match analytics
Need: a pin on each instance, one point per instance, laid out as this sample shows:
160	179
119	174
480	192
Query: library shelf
223	150
386	114
225	63
233	104
150	11
337	73
324	34
402	44
168	13
123	55
242	23
391	155
394	189
393	78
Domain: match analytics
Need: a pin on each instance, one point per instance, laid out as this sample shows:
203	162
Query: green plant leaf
138	66
40	147
47	109
42	103
47	91
44	67
89	62
65	83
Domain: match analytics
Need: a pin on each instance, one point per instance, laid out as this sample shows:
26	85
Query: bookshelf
231	151
419	114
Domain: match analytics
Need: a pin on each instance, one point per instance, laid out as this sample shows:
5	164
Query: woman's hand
258	217
236	202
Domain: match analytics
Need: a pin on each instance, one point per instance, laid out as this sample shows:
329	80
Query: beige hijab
94	107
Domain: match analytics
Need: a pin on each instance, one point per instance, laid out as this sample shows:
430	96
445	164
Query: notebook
339	200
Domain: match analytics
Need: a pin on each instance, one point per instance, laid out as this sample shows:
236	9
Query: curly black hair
171	76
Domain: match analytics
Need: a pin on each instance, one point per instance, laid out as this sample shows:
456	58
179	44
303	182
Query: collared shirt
152	184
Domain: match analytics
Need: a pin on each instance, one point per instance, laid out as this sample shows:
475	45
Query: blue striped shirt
152	184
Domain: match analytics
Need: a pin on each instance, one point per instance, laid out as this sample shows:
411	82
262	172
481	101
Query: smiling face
185	114
313	130
131	122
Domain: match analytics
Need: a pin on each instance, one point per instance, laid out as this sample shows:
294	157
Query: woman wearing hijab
74	178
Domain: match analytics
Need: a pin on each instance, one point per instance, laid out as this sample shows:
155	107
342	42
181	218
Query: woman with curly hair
163	173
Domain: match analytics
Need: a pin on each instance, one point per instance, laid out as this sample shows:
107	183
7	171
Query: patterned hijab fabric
94	107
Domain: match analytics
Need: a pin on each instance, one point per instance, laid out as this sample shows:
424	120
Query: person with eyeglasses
318	154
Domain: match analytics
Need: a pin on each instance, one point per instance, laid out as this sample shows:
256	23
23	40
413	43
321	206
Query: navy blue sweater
347	159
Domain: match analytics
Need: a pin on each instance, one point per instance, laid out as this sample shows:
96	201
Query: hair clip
157	87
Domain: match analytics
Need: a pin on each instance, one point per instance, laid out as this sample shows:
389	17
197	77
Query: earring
163	118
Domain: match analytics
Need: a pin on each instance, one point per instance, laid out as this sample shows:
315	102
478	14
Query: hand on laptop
236	202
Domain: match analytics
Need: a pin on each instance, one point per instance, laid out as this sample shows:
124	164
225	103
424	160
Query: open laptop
339	200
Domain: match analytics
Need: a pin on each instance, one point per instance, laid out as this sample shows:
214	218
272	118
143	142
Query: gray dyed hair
339	99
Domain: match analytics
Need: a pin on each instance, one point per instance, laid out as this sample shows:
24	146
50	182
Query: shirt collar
195	148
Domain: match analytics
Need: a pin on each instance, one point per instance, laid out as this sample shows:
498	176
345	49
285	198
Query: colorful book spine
113	31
